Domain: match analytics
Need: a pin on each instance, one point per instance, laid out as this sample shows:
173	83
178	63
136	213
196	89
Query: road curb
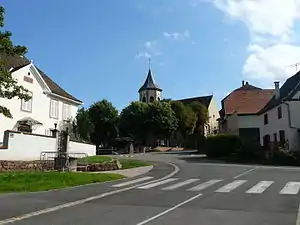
133	172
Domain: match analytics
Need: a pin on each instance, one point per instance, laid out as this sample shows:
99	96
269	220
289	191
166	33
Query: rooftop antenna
295	65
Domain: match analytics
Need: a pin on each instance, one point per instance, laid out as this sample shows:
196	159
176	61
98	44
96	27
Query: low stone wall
6	166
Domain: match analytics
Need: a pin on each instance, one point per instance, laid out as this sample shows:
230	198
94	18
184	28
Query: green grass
42	181
96	159
126	163
132	163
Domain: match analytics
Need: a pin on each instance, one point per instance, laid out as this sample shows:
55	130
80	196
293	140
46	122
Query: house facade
50	105
239	113
280	123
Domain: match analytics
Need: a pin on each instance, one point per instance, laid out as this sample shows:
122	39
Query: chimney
277	91
243	83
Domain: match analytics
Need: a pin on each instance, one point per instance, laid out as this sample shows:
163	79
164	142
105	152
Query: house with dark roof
50	104
280	118
240	111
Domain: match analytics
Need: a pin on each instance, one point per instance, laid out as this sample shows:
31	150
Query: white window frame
54	109
26	106
66	111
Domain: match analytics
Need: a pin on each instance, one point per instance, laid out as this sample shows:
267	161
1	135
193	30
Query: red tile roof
247	100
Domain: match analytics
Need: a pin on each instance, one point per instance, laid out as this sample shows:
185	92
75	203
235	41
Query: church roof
150	83
205	100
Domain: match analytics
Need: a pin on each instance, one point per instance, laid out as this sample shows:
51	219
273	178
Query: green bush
220	145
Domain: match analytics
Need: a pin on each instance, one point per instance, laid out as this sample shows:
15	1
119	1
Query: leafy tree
82	126
104	117
132	121
9	87
186	118
161	120
202	115
166	100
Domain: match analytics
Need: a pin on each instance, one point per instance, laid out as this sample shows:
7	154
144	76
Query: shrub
222	145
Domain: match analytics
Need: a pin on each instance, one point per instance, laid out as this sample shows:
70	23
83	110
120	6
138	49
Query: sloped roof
150	83
247	99
205	100
287	90
17	62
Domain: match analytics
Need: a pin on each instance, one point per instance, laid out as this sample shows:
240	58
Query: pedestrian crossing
219	185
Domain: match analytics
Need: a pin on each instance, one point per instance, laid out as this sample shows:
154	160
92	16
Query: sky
99	49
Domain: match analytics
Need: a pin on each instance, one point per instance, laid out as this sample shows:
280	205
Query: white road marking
180	184
291	188
260	187
231	186
246	172
202	186
132	181
155	184
70	204
169	210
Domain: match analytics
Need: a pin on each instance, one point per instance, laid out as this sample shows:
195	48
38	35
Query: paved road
201	193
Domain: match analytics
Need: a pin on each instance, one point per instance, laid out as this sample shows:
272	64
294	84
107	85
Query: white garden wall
20	146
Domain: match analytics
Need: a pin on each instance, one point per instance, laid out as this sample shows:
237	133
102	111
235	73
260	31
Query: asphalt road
207	193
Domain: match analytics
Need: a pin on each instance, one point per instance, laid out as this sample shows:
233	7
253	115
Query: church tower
150	91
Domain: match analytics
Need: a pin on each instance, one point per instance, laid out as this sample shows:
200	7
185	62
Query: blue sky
95	49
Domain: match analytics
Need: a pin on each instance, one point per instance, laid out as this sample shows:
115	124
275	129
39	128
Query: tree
82	126
161	120
202	117
104	117
186	118
132	121
9	87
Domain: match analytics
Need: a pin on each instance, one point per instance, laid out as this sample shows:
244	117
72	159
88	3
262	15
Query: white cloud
271	25
151	50
177	35
143	55
150	45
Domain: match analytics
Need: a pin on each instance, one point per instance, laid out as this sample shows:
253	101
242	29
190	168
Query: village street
189	191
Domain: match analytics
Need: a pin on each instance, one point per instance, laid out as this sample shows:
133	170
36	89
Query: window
282	137
144	99
54	108
151	99
66	111
27	105
266	119
279	112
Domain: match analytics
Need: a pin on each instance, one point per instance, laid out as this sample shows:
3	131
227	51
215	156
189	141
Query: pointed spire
149	60
149	82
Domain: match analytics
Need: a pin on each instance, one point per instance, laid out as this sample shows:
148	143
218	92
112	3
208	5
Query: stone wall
6	166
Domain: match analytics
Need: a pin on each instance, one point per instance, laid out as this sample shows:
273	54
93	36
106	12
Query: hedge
220	145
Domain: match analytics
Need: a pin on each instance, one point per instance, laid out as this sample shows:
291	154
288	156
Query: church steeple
150	91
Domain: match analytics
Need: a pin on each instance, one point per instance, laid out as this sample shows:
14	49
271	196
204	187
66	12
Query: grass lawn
126	163
42	181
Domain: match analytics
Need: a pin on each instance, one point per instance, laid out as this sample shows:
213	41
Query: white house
49	105
240	111
280	118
